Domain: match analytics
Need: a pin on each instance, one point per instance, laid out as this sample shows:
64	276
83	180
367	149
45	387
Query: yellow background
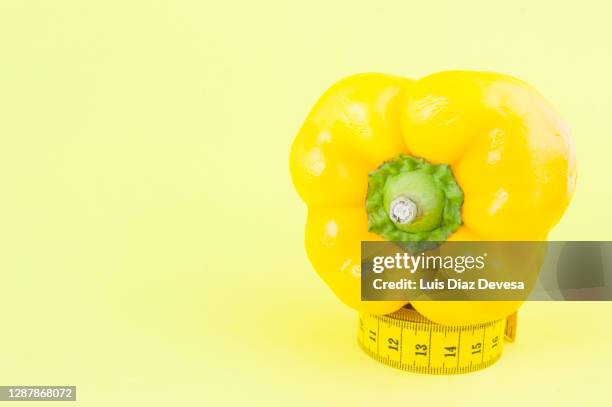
150	239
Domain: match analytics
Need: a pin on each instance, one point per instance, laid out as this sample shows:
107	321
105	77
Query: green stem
411	200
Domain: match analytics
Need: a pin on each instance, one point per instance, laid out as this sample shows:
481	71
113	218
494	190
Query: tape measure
406	340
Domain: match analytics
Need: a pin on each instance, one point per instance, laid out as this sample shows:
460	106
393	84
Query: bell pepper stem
402	210
410	199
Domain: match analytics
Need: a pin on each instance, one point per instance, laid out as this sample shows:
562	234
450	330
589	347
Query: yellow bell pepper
456	155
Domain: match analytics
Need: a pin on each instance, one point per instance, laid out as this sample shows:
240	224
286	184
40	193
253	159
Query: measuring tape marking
407	341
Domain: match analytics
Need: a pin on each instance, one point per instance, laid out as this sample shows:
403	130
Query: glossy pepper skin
509	153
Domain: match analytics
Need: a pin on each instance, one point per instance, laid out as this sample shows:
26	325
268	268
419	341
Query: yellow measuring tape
406	340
